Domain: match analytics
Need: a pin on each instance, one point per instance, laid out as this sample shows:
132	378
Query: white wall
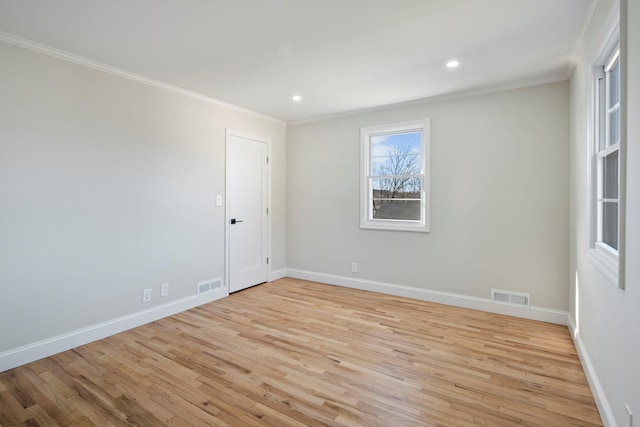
607	318
107	187
500	198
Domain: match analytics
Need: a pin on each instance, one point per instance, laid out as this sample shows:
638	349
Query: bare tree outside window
396	180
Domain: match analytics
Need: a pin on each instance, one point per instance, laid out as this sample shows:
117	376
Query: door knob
234	221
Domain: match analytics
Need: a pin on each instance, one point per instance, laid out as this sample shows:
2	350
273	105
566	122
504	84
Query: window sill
395	226
606	261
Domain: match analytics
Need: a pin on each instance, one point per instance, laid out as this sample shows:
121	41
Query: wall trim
585	28
543	314
278	274
592	377
86	62
432	99
48	347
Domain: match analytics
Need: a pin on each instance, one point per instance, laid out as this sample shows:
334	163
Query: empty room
320	213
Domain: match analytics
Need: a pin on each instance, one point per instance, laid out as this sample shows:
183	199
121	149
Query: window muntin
395	183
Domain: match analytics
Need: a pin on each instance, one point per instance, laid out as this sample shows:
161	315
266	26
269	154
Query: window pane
601	113
610	176
408	210
614	85
396	154
610	224
396	144
396	165
396	188
614	127
380	165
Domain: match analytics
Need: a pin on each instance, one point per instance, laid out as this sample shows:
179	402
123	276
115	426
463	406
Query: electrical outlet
146	295
354	267
629	415
164	289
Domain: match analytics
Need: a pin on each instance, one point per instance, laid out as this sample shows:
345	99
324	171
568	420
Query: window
395	179
607	152
605	226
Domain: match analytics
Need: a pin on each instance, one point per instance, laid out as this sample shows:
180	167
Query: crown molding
80	60
437	98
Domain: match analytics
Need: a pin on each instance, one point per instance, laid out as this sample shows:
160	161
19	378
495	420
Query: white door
247	217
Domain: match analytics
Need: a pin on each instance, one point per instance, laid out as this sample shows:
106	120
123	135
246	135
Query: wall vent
209	285
510	298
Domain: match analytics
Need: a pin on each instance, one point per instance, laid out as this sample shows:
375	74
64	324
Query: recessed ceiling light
453	63
296	98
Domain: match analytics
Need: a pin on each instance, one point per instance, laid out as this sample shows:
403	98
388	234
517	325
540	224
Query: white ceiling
340	55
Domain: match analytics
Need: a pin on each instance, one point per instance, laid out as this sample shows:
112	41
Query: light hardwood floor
297	353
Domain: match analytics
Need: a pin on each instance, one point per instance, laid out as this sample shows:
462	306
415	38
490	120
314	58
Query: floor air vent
209	285
511	298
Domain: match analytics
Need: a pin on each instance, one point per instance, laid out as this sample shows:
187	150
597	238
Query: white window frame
605	257
366	193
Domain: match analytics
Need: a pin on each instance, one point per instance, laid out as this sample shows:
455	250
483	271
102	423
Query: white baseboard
534	313
48	347
592	377
277	274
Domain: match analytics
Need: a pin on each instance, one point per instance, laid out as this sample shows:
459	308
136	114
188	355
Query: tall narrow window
606	190
395	180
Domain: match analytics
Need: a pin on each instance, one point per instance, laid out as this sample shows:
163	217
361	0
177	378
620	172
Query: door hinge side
267	159
267	260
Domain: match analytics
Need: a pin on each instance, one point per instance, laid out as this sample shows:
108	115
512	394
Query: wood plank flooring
297	353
